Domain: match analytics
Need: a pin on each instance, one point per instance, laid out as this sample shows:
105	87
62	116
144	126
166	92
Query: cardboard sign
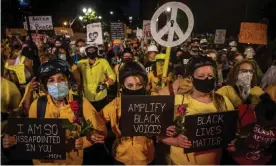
210	131
253	33
146	29
117	30
220	36
40	23
63	31
94	33
146	115
37	139
16	32
38	39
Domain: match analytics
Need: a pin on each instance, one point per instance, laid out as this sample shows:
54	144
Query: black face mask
92	55
138	92
204	86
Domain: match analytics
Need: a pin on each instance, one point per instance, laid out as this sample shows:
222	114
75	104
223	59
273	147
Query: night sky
209	14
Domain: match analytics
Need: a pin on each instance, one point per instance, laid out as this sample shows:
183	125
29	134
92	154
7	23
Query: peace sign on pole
172	26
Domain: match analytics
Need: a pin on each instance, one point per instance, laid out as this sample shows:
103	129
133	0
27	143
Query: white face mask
62	56
244	83
82	51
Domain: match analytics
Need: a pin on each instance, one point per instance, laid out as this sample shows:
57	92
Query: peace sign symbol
171	27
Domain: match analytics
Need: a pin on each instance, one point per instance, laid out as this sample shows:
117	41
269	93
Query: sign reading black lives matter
210	131
117	30
146	115
37	139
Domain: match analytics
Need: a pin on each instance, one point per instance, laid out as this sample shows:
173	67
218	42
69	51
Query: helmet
195	40
203	41
160	57
130	69
198	61
117	42
233	44
53	67
152	48
249	53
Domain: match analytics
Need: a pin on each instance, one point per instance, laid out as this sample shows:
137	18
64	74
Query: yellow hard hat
160	57
117	42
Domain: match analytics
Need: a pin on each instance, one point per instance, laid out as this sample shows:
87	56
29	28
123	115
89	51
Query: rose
181	110
74	106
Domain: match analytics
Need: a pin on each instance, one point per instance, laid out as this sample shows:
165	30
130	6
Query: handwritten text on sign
37	138
210	131
253	33
146	115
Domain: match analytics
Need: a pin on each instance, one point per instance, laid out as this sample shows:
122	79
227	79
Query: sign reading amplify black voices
210	131
146	115
37	139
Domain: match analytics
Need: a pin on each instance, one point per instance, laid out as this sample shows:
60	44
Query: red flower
76	119
181	109
74	105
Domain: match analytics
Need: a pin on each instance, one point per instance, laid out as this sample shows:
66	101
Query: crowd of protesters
202	76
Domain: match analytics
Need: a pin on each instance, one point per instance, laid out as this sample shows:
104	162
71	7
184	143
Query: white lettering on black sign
147	115
38	138
210	131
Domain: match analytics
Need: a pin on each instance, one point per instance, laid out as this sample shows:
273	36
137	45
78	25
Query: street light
168	9
111	12
100	17
89	10
84	10
65	23
81	18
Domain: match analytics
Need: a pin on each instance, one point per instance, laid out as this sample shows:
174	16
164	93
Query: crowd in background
201	75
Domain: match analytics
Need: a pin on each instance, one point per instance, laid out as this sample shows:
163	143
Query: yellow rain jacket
138	150
93	75
65	112
19	69
232	95
208	157
10	95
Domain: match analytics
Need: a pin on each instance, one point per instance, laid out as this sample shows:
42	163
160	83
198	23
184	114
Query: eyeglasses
246	71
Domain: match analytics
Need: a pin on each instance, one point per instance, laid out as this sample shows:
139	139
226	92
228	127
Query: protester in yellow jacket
201	99
54	76
97	76
129	150
242	84
156	78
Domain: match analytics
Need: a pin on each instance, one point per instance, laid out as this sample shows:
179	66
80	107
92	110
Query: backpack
42	101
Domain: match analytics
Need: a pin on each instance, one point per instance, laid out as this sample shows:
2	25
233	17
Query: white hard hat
152	48
233	44
249	52
203	41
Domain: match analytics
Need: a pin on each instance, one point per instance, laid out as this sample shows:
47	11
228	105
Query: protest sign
253	33
37	138
146	115
16	32
63	31
146	29
210	131
117	30
220	36
40	23
94	33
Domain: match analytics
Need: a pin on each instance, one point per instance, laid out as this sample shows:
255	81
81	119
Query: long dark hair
233	74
